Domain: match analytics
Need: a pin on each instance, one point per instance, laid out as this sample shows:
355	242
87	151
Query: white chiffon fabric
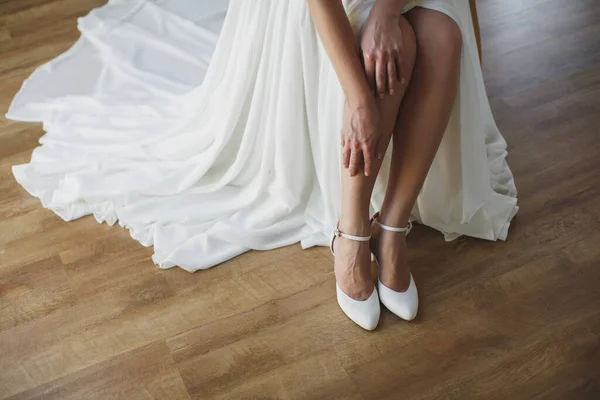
209	129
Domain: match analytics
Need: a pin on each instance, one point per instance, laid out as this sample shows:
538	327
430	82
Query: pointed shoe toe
404	304
365	313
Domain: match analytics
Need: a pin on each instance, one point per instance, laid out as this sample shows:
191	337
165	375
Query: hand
381	46
361	136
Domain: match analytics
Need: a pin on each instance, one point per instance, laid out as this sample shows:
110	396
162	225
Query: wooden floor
84	314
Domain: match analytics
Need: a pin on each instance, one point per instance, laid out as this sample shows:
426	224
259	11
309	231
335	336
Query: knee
438	37
409	40
409	45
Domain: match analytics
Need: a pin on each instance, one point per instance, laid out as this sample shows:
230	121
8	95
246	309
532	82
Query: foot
391	252
352	265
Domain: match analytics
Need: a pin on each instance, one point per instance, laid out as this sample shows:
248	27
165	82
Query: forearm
338	39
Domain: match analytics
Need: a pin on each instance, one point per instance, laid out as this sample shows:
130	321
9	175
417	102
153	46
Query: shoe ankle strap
405	229
337	233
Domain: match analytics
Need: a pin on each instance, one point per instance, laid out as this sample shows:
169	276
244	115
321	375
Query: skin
394	51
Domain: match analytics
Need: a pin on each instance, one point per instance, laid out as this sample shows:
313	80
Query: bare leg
422	120
353	259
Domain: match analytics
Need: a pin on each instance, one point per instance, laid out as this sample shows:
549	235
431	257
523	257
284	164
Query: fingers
368	158
346	152
382	75
392	76
352	156
385	74
402	65
354	161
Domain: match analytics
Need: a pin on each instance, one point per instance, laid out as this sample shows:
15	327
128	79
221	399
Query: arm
337	36
360	135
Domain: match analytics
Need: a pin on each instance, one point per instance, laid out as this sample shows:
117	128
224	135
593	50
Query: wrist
363	99
389	8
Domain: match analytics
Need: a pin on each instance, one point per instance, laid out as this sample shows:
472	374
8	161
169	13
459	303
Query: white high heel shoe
364	313
404	304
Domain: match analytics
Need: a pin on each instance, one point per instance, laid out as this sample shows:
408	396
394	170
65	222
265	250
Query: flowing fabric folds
209	129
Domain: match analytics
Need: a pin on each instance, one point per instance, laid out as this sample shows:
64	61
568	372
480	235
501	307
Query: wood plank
143	373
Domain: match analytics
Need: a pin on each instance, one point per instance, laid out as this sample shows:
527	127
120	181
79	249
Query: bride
209	129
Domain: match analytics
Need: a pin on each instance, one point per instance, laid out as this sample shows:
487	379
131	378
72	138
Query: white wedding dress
209	129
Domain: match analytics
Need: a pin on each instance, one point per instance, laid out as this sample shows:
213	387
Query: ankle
398	219
355	226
